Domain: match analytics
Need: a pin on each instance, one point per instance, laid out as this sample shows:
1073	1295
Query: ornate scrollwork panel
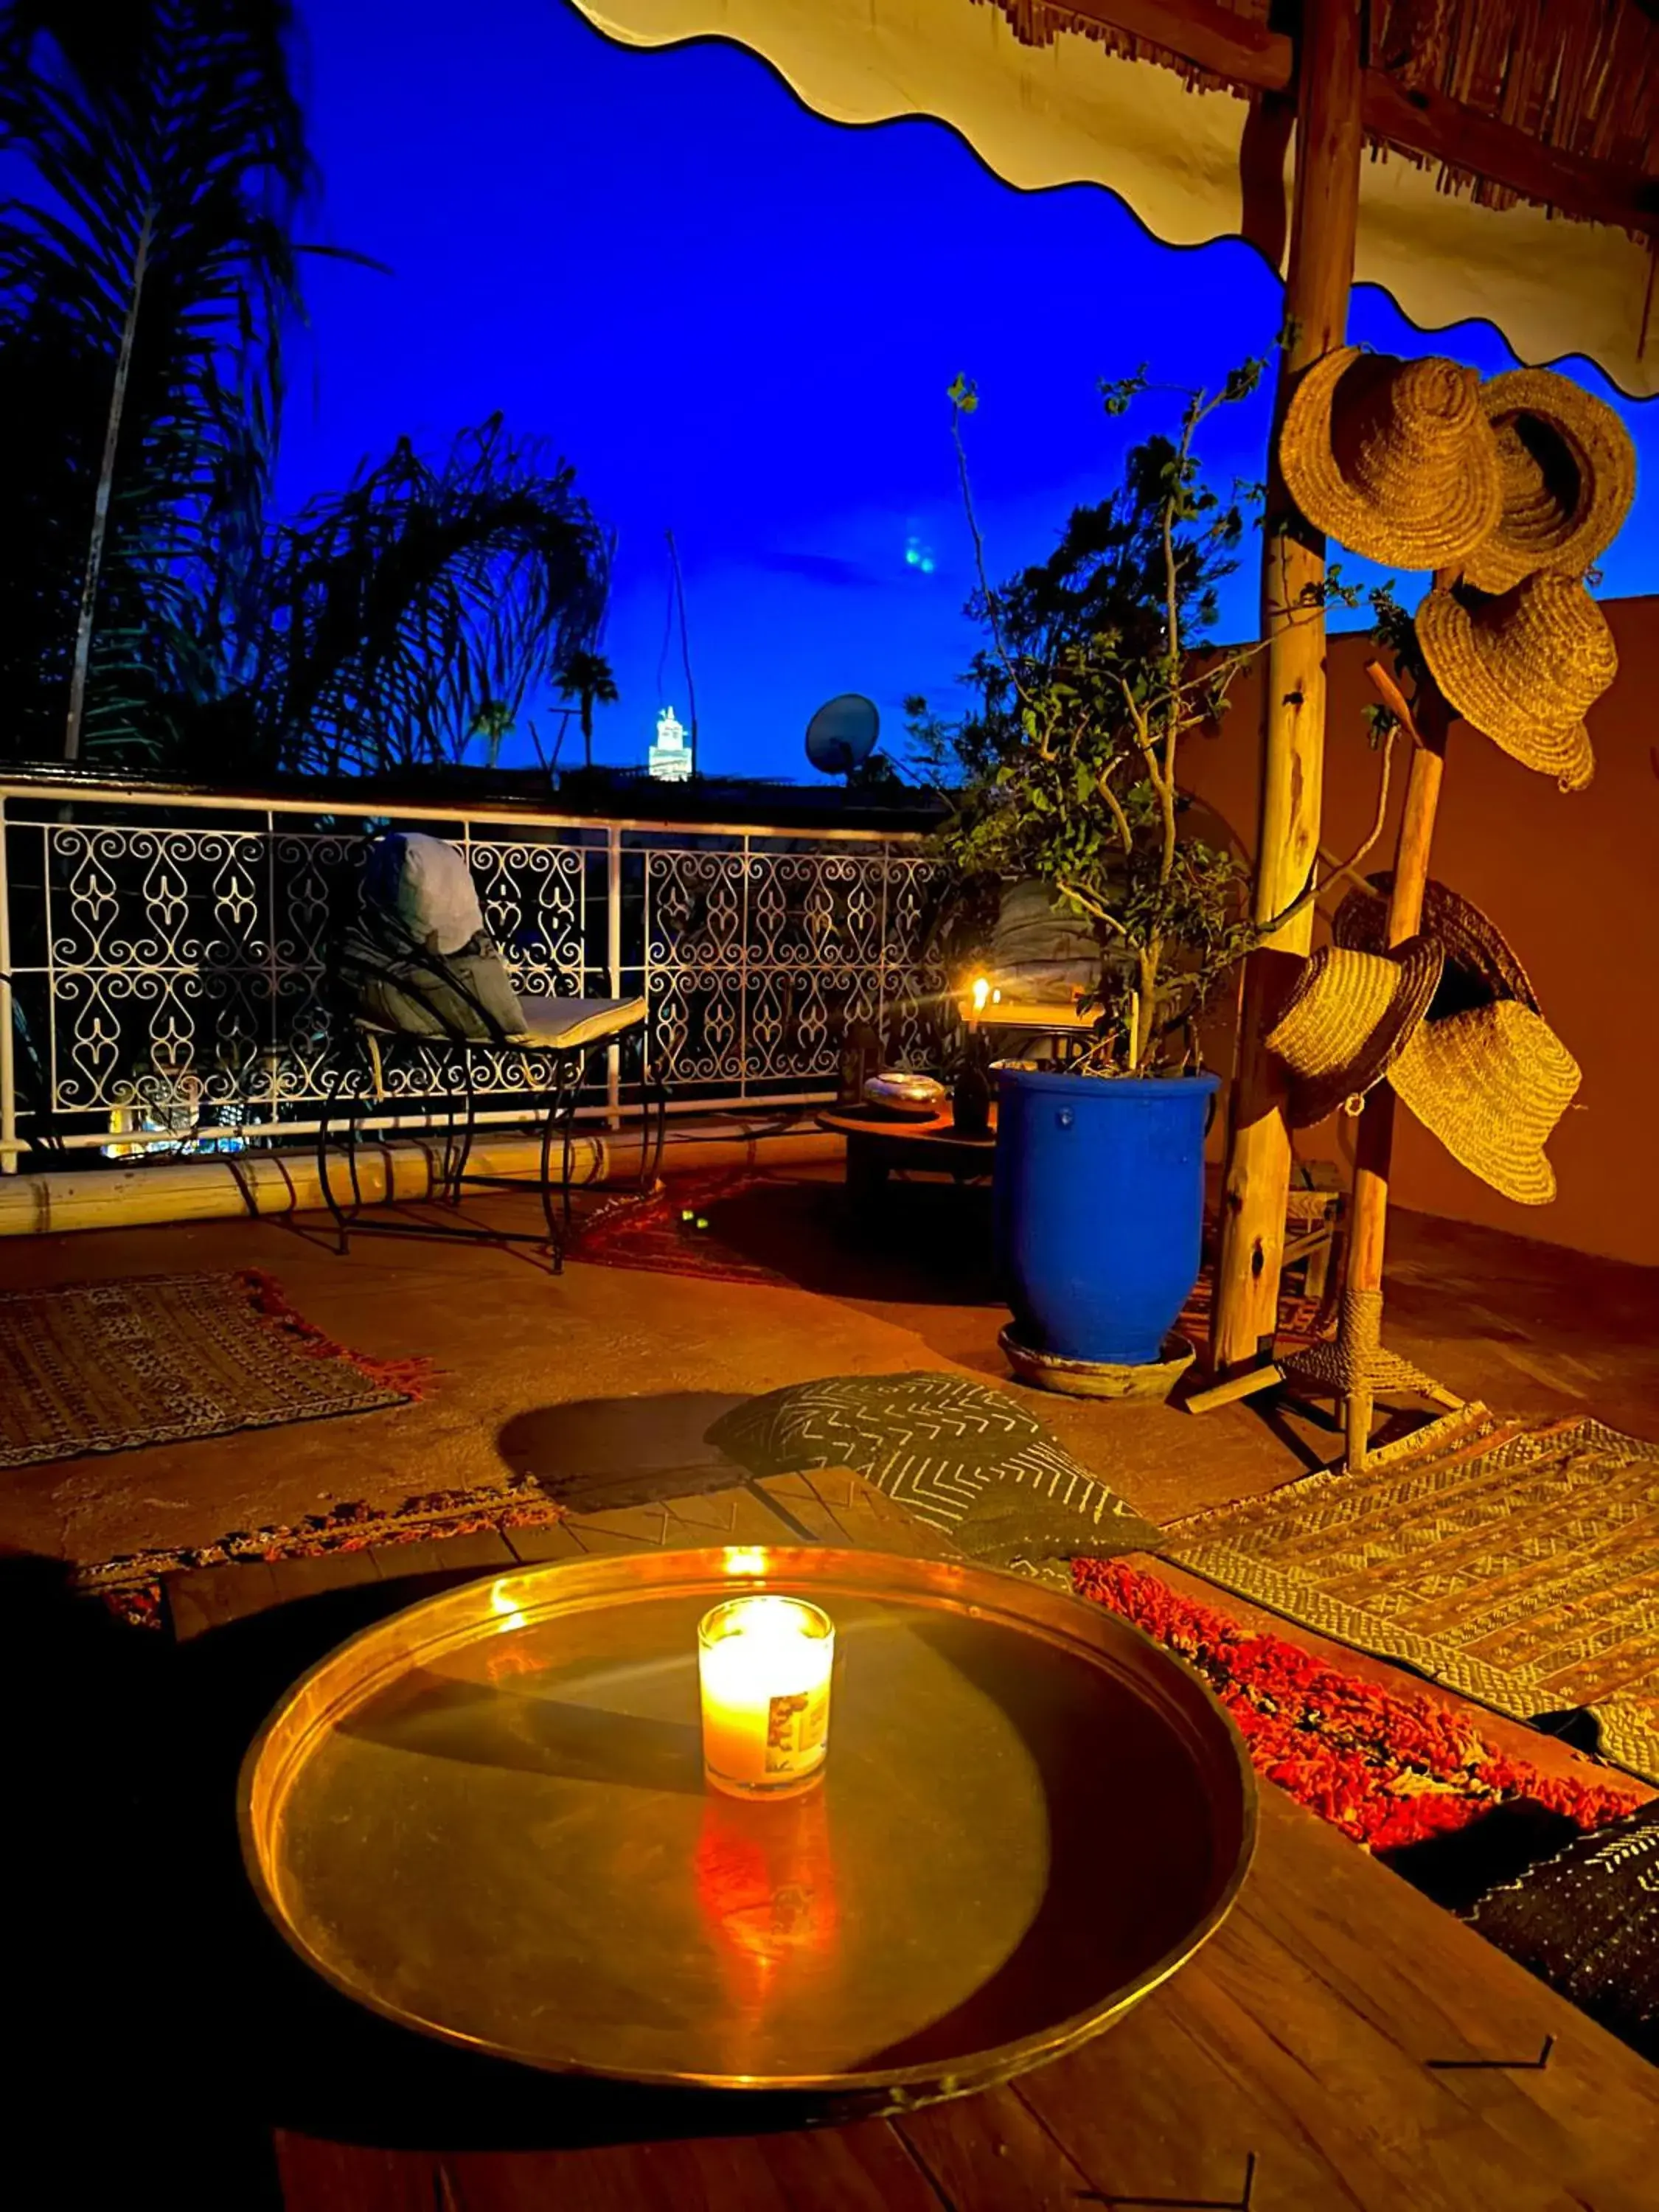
184	970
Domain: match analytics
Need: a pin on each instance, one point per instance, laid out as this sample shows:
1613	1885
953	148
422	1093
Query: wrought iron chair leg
339	1096
653	1101
353	1138
331	1096
472	1136
438	1170
577	1076
458	1173
556	1237
653	1098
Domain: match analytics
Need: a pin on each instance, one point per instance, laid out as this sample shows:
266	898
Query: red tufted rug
1387	1768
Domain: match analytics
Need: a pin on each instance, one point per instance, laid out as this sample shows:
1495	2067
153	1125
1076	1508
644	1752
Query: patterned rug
693	1224
130	1586
1388	1768
1518	1566
105	1367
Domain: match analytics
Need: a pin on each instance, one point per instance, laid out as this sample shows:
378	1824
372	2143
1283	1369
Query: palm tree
588	677
494	723
384	614
147	275
147	281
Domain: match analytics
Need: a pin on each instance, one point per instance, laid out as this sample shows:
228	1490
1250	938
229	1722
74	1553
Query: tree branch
989	596
1345	872
1126	835
1348	867
1089	905
1393	699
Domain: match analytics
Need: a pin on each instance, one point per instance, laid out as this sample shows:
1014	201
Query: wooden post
1375	1145
1320	273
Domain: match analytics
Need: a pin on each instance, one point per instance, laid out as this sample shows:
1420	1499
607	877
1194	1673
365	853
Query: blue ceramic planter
1099	1205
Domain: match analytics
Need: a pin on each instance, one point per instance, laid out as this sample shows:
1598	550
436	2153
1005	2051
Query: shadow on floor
567	1447
923	1243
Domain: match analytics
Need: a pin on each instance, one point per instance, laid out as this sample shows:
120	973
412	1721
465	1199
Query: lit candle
982	993
764	1668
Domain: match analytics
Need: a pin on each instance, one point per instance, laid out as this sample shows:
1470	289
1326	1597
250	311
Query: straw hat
1523	668
1485	1071
1348	1017
1492	1084
1569	471
1397	460
1481	962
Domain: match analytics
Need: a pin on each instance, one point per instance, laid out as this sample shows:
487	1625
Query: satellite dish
843	734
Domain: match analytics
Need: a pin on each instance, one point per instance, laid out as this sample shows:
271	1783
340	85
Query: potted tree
1094	666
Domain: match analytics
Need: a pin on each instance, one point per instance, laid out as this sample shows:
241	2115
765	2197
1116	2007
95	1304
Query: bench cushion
567	1024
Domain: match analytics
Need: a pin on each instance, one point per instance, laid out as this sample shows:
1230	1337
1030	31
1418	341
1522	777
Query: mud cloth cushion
1586	1922
969	1459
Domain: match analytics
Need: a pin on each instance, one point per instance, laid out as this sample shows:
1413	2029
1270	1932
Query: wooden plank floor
1295	2056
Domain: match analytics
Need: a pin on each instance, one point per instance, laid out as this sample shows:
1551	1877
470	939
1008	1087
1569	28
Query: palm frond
393	609
178	116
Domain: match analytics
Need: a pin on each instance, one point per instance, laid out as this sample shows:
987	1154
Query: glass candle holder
763	1671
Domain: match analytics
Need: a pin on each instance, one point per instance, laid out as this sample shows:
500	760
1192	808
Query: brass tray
486	1819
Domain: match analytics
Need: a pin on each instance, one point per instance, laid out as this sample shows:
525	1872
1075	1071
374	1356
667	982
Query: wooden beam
1210	37
1324	214
1444	130
1425	122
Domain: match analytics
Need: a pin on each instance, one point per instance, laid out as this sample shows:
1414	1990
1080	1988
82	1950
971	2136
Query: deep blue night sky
739	321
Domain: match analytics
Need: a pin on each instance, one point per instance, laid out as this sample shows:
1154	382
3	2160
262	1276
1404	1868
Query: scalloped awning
1193	165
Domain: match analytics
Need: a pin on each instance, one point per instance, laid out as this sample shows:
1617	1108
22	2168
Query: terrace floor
607	1368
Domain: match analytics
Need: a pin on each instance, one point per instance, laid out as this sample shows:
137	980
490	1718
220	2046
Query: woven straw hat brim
1471	941
1314	1097
1541	535
1420	525
1490	698
1492	1084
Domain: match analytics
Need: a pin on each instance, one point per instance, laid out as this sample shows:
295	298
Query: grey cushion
969	1459
463	995
426	883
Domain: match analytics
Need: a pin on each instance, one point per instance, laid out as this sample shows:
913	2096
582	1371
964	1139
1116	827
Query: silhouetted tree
147	274
387	612
588	677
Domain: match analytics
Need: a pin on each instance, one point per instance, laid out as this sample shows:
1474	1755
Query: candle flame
505	1606
982	993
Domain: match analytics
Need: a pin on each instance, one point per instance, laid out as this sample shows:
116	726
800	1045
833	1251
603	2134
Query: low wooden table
877	1143
1341	2043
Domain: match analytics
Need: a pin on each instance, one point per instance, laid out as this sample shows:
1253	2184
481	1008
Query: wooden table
1341	2043
877	1144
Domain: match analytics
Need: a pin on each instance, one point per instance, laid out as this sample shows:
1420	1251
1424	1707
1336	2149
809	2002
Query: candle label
796	1727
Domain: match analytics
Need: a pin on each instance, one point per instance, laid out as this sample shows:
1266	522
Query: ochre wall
1573	882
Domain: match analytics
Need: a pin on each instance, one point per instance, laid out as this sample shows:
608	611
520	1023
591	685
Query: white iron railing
163	955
